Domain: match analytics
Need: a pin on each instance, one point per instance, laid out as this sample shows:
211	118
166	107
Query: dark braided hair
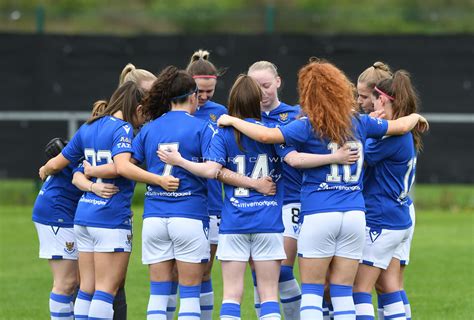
172	85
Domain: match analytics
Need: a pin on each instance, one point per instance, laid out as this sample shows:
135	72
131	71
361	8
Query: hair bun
200	54
381	66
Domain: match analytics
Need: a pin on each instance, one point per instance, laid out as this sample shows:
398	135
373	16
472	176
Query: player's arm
303	160
104	190
53	166
406	124
263	185
254	131
208	169
105	171
127	169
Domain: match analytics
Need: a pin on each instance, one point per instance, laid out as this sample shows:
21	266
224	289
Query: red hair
327	98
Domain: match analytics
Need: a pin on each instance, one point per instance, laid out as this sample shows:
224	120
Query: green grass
439	280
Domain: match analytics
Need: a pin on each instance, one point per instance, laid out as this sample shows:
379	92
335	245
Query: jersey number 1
259	170
347	176
172	146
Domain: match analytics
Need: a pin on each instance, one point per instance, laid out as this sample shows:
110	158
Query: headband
383	93
203	76
185	95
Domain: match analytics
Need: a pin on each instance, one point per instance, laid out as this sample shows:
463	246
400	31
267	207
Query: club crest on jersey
126	128
69	247
129	240
213	117
374	234
283	117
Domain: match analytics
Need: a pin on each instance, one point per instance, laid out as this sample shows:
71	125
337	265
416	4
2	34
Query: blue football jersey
332	187
190	136
390	172
211	111
99	142
246	210
280	116
57	200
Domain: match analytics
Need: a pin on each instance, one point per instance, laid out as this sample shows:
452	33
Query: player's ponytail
171	86
98	108
130	73
405	99
244	101
126	98
327	98
200	54
374	74
200	67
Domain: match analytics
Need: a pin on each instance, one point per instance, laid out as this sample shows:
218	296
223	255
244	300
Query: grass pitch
439	279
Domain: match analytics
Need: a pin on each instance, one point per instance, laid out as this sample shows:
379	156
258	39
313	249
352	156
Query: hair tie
186	94
383	93
203	76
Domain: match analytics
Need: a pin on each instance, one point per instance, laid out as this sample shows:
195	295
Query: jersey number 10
346	169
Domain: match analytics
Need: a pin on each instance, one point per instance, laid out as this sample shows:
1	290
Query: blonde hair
199	65
264	65
200	54
374	74
130	73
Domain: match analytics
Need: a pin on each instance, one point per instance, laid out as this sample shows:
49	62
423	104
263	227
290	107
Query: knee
386	287
65	286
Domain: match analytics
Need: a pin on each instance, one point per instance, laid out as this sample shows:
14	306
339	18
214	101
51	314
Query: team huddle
258	182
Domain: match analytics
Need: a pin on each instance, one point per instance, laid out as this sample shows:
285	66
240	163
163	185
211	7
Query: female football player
102	226
332	205
206	74
251	225
276	113
390	172
366	83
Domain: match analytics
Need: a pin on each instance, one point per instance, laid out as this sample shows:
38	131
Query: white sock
159	294
206	300
393	307
406	303
82	305
363	306
311	301
189	308
290	293
102	306
172	301
325	310
342	302
230	310
60	307
379	308
270	311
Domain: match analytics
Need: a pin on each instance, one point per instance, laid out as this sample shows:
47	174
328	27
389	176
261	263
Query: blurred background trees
127	17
